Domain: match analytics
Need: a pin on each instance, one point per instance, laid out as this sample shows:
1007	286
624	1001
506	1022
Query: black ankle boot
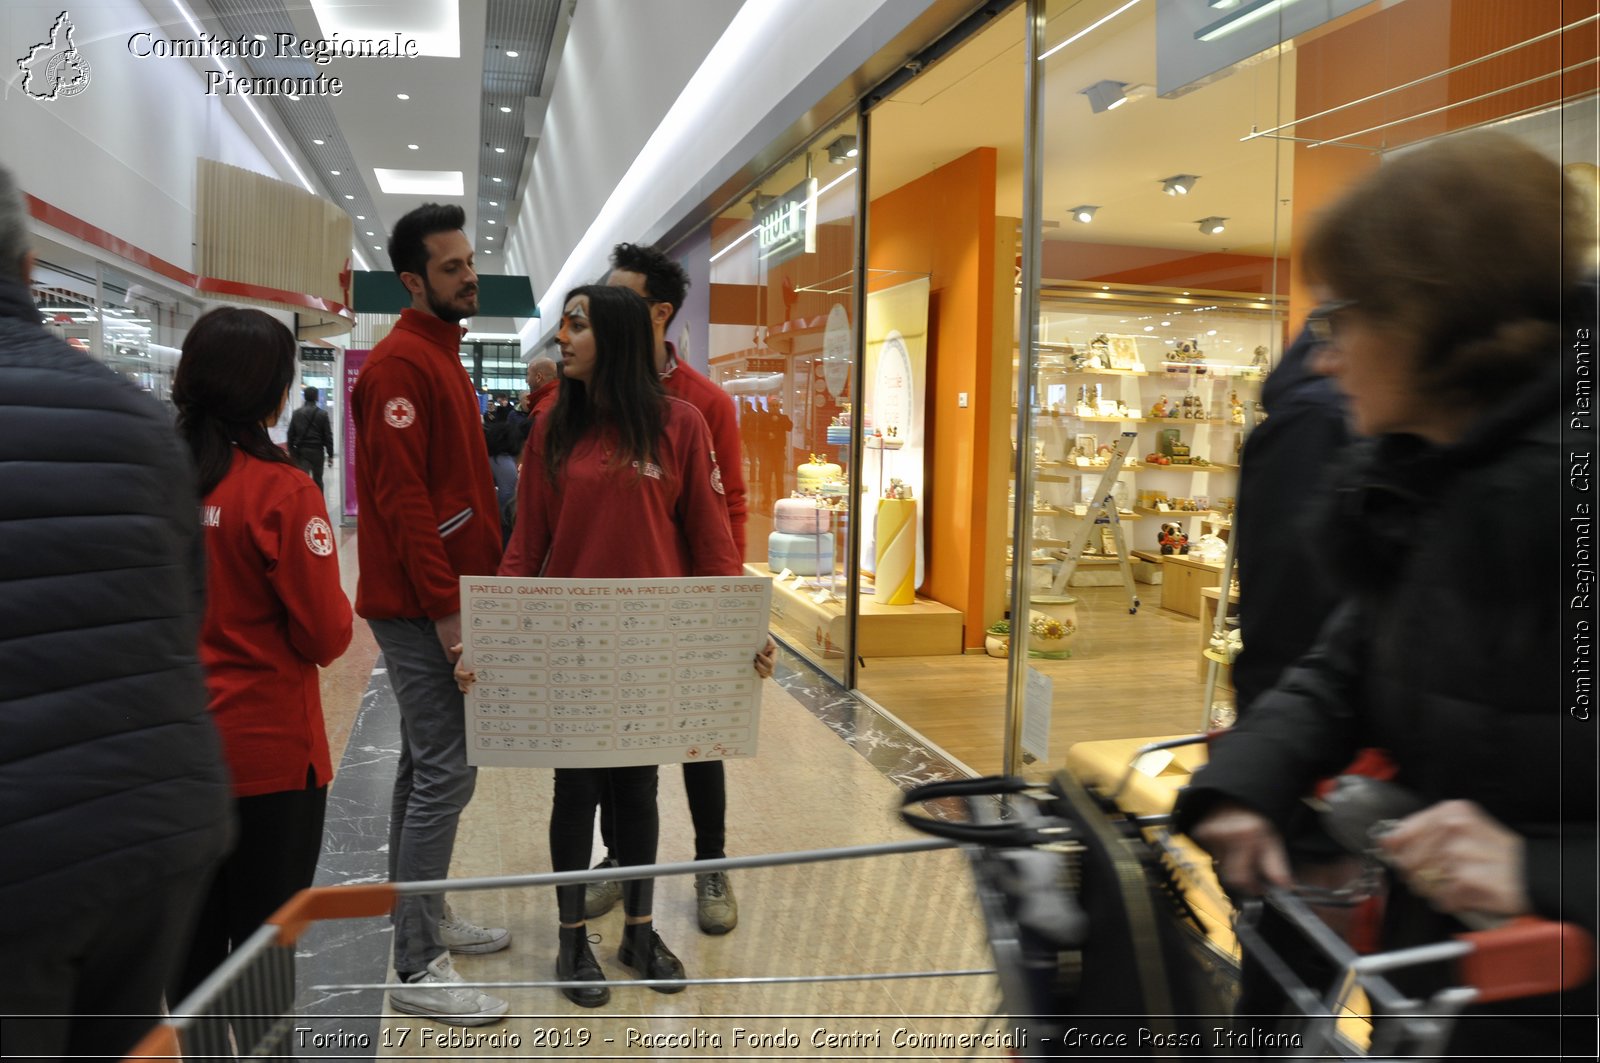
643	950
576	963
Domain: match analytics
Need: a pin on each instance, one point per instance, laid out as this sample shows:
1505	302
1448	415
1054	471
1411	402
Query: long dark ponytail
624	396
234	373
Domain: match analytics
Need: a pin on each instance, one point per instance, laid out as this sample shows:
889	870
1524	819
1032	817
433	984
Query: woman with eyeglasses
1452	282
274	612
618	482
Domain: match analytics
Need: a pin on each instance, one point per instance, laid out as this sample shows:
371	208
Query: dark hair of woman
1477	247
235	371
624	399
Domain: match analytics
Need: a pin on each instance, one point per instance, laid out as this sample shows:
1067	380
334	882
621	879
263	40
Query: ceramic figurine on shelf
1160	408
1172	539
1261	357
897	489
1235	408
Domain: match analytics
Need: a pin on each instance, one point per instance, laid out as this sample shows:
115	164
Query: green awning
380	292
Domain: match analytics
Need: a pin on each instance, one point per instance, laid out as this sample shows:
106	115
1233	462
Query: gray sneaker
719	912
600	897
462	936
434	994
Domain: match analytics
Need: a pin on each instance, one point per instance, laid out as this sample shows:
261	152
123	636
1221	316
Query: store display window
781	343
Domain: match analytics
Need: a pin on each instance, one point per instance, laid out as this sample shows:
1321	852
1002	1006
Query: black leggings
280	838
706	789
577	794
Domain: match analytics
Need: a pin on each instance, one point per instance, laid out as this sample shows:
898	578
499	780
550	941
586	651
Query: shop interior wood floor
1128	676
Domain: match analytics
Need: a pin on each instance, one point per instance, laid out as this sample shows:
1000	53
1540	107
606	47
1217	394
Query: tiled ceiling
465	113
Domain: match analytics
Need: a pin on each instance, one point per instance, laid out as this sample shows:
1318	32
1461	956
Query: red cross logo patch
399	413
319	537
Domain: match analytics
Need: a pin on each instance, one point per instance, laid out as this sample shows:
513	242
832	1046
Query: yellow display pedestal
922	629
896	556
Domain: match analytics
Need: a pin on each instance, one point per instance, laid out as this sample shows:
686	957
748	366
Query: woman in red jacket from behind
274	612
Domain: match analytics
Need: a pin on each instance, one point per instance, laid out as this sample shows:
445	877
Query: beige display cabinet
1089	393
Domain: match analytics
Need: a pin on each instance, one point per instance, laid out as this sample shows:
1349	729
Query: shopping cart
248	1006
1099	952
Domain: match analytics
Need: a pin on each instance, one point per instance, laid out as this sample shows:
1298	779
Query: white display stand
612	673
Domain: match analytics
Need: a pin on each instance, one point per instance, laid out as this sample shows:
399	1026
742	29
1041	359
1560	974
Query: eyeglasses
1320	321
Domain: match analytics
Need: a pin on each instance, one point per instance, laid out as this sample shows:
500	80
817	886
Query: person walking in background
619	482
663	285
1448	280
274	614
311	437
114	804
427	516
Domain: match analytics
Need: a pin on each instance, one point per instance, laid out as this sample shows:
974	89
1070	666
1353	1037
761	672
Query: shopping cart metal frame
246	1007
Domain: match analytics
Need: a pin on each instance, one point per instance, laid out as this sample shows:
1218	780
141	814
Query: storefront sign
763	365
319	354
788	227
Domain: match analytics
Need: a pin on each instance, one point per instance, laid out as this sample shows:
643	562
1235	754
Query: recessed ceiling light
496	180
491	221
487	252
505	110
499	151
401	96
347	195
413	147
261	36
372	234
488	238
493	203
420	182
361	217
293	97
1084	213
1212	225
316	141
375	247
334	172
1178	184
511	55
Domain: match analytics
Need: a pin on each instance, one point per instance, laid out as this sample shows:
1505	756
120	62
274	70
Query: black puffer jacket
1284	597
111	773
1447	654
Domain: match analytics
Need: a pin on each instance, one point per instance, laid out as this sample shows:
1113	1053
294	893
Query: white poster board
578	673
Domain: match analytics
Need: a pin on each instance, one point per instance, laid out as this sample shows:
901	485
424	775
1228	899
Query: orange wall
943	224
1369	53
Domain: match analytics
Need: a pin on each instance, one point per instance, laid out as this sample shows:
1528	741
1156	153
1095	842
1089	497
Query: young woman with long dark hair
274	612
618	482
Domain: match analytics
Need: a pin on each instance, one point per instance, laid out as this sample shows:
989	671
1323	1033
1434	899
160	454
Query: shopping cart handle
1526	957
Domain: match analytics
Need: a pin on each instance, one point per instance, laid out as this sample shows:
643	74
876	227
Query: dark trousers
90	986
578	793
705	785
280	837
311	461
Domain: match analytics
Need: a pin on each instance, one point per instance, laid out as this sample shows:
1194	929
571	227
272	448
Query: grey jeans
432	781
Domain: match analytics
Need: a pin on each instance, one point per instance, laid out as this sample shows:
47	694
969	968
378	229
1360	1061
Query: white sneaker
432	994
462	936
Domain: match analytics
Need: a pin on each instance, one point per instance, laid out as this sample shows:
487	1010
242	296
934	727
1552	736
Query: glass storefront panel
1185	151
781	343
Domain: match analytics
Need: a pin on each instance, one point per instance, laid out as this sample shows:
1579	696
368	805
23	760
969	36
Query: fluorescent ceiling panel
436	24
420	182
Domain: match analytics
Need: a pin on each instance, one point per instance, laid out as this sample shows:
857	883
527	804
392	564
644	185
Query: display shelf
1208	356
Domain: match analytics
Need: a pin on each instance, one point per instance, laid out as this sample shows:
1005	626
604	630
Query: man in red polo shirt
663	284
427	517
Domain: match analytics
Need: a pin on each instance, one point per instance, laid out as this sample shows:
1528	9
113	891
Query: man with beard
427	517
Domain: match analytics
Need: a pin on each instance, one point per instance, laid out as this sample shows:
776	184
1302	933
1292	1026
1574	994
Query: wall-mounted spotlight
1211	226
1106	95
843	148
1178	184
1085	213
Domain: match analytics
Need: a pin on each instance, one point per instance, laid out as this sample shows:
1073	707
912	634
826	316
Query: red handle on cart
1526	957
330	902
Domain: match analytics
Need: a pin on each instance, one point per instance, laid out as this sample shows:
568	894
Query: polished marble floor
847	956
